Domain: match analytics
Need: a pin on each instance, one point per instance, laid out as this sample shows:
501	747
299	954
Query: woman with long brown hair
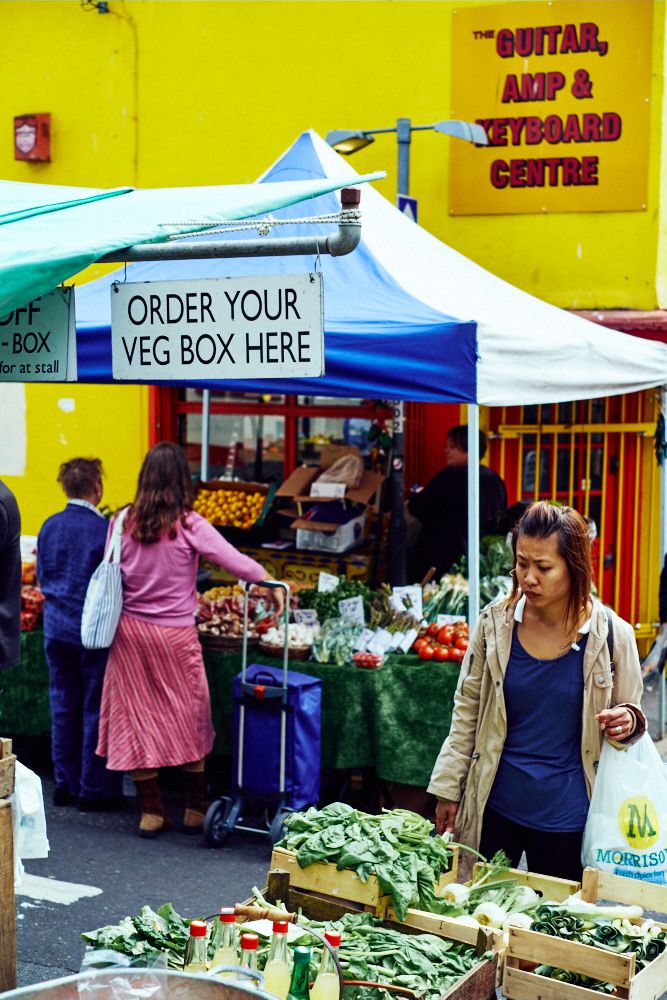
548	674
156	708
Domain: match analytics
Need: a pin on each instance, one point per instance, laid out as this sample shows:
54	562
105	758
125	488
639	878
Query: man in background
442	507
10	579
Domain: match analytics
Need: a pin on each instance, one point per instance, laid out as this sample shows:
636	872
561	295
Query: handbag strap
112	553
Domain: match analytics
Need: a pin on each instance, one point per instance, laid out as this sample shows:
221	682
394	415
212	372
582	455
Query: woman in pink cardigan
156	710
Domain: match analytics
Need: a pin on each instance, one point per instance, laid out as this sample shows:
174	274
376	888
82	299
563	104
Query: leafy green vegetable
149	934
397	847
326	603
427	964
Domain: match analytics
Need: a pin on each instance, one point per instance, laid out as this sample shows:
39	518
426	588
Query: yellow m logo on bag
638	821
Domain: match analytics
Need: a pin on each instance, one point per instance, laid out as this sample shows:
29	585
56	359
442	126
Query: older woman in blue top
549	673
69	548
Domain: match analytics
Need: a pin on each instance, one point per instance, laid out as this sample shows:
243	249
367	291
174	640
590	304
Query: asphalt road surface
102	851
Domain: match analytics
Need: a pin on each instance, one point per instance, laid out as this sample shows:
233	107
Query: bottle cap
333	937
249	942
228	915
280	926
197	928
301	954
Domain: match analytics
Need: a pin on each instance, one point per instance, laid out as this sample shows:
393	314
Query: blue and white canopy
406	317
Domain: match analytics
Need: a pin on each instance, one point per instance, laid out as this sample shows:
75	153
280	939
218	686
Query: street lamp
348	142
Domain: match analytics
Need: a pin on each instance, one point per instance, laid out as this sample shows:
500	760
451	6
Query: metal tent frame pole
337	244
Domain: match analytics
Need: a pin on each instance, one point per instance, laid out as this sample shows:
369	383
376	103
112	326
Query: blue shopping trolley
276	744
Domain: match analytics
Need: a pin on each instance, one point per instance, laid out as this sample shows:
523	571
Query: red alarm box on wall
32	137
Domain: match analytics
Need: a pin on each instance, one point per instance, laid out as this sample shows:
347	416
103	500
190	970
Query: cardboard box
320	536
297	486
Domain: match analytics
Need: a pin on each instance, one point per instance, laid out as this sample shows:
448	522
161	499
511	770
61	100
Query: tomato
445	635
461	643
456	654
426	652
441	654
433	629
419	644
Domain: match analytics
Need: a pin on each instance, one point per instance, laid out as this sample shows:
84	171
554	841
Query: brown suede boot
195	802
152	819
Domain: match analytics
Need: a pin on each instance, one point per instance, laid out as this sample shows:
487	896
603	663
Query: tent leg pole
473	514
397	533
205	431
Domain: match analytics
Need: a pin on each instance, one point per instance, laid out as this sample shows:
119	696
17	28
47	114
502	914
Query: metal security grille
596	456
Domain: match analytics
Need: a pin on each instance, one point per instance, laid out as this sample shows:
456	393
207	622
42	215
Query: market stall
409	318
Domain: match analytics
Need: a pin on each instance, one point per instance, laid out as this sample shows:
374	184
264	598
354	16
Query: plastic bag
626	829
111	975
29	820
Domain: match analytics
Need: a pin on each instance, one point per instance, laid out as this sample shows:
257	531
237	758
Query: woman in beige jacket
538	691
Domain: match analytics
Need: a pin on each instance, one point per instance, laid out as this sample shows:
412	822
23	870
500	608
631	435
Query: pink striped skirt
156	709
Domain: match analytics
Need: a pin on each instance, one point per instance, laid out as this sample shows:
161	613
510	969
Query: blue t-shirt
540	779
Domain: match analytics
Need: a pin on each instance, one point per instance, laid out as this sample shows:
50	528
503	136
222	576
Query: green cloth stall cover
393	719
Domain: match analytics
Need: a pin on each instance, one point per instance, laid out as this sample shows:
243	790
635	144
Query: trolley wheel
220	820
277	823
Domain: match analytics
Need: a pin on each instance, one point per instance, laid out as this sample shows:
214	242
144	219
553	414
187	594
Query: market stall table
393	719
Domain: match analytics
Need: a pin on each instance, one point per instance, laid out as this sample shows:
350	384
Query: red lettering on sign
567	171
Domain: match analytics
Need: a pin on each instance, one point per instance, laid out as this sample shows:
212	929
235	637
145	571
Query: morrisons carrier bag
626	830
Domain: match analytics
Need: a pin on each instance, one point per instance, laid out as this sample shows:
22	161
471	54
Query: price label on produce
352	608
365	636
408	640
450	619
408	599
327	582
381	641
306	616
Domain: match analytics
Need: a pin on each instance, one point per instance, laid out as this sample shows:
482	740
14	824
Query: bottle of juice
277	971
224	940
249	945
195	949
327	984
298	987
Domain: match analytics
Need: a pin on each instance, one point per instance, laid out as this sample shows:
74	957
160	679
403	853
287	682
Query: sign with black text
38	340
267	326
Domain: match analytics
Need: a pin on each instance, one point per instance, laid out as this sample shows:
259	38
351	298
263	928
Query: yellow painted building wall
183	92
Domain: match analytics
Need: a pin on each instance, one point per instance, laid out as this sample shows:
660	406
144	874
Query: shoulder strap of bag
112	553
610	640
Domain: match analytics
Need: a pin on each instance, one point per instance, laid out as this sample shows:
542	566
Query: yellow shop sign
563	92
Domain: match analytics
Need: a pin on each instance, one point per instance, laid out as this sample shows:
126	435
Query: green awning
49	233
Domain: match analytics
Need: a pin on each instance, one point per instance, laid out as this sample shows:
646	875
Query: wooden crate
7	766
7	908
547	886
478	984
528	949
324	879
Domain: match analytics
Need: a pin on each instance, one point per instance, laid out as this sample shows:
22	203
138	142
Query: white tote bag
626	829
104	597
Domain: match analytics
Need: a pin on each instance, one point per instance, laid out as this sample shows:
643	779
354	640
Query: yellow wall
108	422
184	92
